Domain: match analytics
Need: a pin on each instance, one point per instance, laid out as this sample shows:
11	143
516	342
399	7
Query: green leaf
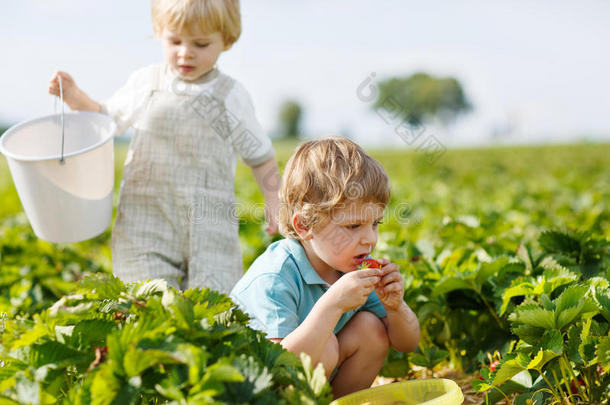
586	349
150	288
603	353
449	284
480	386
223	371
533	315
136	360
30	336
106	385
570	297
543	357
573	343
316	378
396	365
104	286
257	379
509	367
54	352
552	341
90	333
602	297
529	334
170	387
554	276
517	384
487	270
559	242
519	289
428	356
8	401
570	304
547	303
195	357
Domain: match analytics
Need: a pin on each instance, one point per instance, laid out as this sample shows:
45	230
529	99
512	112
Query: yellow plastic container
434	391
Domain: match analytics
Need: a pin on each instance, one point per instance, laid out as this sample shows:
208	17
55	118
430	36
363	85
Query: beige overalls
176	216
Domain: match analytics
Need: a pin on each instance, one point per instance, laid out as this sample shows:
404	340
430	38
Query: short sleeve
123	106
248	138
375	306
271	304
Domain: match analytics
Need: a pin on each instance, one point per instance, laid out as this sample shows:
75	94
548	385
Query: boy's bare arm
267	176
401	322
311	336
403	328
76	99
349	292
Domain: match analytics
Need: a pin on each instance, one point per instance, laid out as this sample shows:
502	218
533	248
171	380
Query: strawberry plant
33	273
145	343
562	324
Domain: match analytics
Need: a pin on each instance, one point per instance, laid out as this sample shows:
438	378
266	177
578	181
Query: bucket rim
9	132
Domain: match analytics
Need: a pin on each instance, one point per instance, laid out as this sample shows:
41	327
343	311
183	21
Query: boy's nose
368	236
184	52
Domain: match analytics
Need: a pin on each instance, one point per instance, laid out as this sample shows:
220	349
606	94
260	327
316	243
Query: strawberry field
505	254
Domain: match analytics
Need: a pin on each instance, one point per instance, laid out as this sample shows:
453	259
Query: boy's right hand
73	96
352	289
67	83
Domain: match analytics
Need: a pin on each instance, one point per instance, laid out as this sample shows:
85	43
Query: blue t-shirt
281	287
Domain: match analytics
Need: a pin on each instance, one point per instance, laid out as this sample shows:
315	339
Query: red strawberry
370	264
573	387
494	365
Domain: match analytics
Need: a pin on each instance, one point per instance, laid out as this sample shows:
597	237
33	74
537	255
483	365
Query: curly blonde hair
193	16
324	174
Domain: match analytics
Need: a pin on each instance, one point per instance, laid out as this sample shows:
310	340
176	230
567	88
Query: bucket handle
61	97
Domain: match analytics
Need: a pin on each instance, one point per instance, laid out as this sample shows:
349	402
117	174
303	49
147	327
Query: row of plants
536	318
34	273
146	343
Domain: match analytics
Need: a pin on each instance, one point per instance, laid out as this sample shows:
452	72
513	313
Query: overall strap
225	123
223	86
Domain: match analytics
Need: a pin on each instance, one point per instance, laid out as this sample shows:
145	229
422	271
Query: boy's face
191	56
345	239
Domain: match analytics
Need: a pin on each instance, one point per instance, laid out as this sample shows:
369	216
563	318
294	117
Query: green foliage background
492	244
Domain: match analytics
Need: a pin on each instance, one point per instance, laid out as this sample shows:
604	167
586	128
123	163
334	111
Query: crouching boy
307	292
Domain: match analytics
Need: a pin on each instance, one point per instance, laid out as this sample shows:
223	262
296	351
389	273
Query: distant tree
290	115
420	97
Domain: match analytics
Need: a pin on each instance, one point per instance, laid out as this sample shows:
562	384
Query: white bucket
66	188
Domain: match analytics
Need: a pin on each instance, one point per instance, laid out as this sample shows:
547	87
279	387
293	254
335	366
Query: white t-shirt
126	105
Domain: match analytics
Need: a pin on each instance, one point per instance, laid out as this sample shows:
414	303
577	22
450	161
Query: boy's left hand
271	213
391	288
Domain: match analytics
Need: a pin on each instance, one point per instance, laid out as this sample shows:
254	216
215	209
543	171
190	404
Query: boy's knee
374	332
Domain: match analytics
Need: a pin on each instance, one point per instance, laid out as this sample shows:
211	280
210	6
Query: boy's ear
299	228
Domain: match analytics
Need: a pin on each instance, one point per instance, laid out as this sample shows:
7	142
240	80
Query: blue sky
534	71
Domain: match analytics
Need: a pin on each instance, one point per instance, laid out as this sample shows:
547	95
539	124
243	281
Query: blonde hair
323	175
193	16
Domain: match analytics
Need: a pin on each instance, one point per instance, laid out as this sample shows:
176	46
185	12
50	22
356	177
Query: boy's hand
353	289
271	212
67	83
73	96
391	288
